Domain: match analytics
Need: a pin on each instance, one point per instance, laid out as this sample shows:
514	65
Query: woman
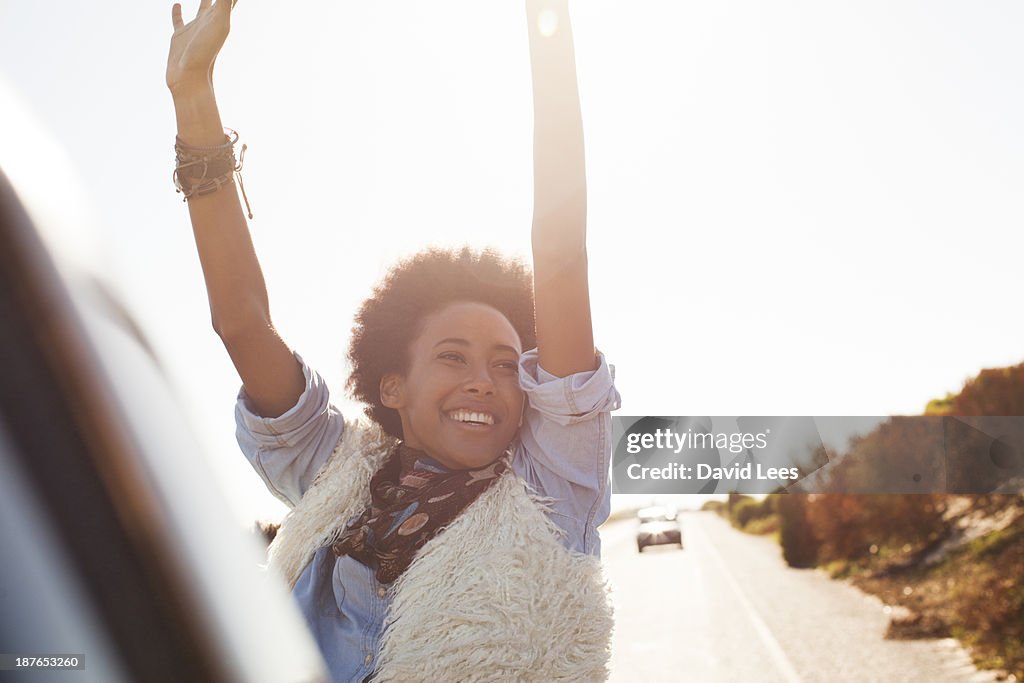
453	536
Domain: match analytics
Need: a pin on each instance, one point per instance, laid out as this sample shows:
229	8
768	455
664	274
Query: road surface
727	608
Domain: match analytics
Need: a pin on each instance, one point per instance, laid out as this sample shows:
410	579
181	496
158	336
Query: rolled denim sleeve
566	441
287	451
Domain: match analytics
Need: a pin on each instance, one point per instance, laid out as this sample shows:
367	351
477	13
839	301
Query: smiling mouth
471	418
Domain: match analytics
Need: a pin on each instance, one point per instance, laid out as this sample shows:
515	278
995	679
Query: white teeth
467	416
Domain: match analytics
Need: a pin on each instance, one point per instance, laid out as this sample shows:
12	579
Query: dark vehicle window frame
70	442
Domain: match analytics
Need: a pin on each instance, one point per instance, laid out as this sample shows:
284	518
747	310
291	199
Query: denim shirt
562	450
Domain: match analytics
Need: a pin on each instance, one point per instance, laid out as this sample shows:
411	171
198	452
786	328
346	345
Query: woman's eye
451	355
509	364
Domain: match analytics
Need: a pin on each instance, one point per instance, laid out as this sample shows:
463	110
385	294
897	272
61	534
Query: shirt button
382	592
368	659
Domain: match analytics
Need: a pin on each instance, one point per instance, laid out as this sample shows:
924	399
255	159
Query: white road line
778	655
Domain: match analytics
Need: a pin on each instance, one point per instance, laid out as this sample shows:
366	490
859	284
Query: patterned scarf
412	498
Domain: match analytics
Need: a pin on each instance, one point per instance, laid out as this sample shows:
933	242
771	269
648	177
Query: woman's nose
480	381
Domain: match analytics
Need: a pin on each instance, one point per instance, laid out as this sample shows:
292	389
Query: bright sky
796	207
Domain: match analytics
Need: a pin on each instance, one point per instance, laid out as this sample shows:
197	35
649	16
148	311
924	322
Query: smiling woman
460	400
453	536
397	315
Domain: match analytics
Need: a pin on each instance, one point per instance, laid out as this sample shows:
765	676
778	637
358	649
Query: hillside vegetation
952	565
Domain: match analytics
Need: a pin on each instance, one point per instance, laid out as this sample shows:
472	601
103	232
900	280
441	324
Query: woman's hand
194	46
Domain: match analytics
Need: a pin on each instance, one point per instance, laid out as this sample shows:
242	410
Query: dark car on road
658	526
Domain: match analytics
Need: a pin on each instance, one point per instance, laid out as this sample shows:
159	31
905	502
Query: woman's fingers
204	4
176	16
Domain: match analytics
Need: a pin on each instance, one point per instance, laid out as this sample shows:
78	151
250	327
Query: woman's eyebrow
465	342
452	340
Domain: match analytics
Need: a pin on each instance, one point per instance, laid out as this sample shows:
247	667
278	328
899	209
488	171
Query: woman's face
460	402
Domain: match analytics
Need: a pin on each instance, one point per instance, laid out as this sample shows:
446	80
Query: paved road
728	609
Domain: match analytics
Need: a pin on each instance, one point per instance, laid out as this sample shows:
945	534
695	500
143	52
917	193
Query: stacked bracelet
202	170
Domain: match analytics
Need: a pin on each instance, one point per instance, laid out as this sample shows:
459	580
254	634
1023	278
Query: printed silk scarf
412	498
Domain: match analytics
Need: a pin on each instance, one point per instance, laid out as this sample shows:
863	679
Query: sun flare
547	23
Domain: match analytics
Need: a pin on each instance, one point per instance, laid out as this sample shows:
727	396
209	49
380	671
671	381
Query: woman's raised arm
234	282
565	337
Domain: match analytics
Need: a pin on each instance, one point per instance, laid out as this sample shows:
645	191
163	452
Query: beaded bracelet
204	170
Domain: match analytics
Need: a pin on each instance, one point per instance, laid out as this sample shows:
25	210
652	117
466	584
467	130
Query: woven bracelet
204	170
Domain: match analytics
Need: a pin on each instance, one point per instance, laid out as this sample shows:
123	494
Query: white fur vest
493	597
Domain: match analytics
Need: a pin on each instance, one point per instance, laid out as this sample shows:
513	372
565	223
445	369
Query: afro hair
390	320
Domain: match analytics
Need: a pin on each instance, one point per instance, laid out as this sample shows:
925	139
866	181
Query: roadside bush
799	546
713	506
749	510
743	512
762	526
847	526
